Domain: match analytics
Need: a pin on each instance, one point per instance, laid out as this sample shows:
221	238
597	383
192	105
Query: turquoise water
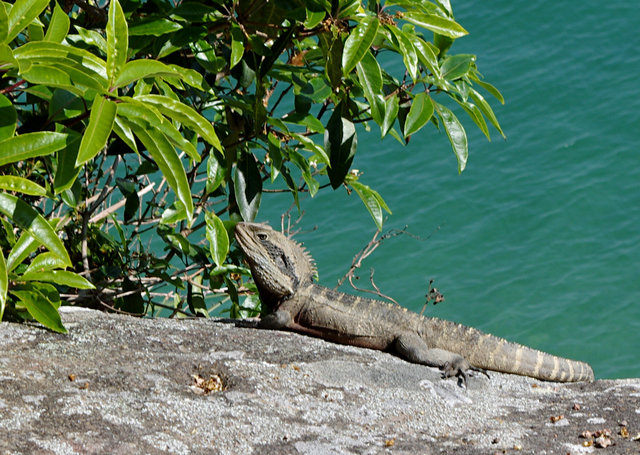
537	241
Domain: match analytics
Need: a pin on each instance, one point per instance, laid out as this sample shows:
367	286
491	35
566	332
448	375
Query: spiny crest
304	258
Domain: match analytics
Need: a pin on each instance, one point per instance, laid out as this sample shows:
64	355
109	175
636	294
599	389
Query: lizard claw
461	369
457	368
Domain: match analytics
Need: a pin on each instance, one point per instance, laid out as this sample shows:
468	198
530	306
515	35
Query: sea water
538	239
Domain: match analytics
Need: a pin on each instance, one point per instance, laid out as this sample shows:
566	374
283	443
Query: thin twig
365	252
109	210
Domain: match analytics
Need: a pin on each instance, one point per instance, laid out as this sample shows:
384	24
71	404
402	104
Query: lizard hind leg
411	347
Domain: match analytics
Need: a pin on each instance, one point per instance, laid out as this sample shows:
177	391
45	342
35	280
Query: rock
121	385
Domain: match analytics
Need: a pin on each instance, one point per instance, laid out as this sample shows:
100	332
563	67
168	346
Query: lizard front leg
282	320
411	347
278	320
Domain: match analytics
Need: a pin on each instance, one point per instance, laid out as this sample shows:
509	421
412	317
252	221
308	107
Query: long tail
493	353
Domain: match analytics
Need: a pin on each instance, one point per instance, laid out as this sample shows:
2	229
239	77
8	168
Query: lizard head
279	265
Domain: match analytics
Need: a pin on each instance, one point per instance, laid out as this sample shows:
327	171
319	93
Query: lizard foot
461	369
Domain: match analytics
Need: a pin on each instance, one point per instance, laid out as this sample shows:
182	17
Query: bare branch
365	252
109	210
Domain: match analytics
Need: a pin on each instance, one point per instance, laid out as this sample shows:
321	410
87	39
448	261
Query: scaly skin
283	272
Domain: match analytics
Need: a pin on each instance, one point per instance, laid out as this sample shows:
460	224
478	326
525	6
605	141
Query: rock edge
121	385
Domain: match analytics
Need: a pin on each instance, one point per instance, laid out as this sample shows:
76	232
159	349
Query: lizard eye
262	236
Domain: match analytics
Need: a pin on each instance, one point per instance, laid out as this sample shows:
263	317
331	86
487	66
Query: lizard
284	271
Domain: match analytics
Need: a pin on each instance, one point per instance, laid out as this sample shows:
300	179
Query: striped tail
493	353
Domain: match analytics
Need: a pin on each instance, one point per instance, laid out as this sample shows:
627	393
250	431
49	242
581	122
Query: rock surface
121	385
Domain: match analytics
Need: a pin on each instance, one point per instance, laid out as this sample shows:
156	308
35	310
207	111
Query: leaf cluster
127	133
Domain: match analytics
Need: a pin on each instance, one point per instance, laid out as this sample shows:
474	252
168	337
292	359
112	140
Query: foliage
149	121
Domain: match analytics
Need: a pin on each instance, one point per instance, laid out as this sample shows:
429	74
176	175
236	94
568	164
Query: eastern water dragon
283	272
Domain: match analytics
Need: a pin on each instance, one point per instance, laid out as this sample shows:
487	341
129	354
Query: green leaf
419	114
308	144
138	69
59	277
302	164
28	219
132	302
427	55
30	145
154	27
51	52
117	42
58	26
340	141
457	135
313	18
92	38
237	45
358	43
190	77
45	262
446	5
317	90
392	106
66	172
125	133
132	200
25	245
66	74
21	14
65	105
483	105
370	77
215	173
247	184
8	118
41	309
286	176
8	231
163	153
185	115
456	66
234	311
21	185
179	242
4	29
348	8
4	280
174	213
407	50
51	76
333	66
476	116
489	88
6	57
372	201
195	297
48	291
437	24
190	11
218	238
149	115
35	31
308	121
94	139
41	91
